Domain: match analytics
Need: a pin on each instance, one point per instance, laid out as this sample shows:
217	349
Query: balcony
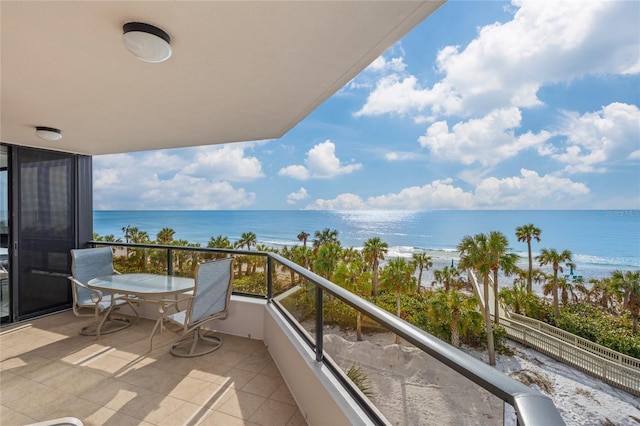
49	371
283	361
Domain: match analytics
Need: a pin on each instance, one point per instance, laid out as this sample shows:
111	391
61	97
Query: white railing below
609	371
619	370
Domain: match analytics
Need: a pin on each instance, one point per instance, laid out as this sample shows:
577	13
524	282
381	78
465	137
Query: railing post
269	280
319	323
169	261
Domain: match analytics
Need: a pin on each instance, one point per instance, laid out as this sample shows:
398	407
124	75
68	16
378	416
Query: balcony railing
531	407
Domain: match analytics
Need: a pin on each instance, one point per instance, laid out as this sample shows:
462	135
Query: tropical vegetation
603	310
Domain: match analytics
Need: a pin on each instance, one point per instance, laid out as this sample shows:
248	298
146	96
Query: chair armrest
96	295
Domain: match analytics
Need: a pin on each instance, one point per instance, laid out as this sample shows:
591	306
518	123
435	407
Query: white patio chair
87	264
210	301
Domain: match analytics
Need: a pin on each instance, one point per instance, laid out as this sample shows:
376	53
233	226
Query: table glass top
142	283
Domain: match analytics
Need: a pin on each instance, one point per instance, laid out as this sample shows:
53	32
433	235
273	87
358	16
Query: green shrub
596	325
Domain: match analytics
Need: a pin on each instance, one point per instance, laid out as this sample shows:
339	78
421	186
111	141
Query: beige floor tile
108	417
40	401
213	396
112	394
217	418
242	405
188	388
262	385
270	369
235	378
282	394
10	417
253	363
297	419
76	380
186	414
228	357
150	406
73	407
209	371
22	364
107	365
273	413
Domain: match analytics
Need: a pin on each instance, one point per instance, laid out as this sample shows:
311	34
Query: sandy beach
412	388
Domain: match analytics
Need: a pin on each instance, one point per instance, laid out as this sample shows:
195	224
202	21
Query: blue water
600	240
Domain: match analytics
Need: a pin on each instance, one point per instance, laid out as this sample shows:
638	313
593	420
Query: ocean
600	240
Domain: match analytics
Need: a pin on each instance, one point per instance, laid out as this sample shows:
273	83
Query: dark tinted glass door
5	286
45	230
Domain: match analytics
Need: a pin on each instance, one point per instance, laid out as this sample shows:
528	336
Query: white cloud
527	191
341	202
299	195
175	179
596	140
487	140
226	162
383	65
507	63
402	156
321	163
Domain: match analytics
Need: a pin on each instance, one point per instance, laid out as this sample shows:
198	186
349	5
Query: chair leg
187	346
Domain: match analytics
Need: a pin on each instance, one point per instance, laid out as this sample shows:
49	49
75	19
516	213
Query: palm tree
353	276
324	237
447	277
527	233
606	292
125	231
498	246
165	236
565	287
553	258
421	261
302	236
327	260
519	298
247	239
456	312
630	283
398	277
374	251
476	255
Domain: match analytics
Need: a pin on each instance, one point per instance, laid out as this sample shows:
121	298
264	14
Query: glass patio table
149	288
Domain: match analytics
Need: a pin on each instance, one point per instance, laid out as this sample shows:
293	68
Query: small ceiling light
146	42
48	133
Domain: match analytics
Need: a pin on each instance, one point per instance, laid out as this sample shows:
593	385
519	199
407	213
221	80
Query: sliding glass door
46	224
5	287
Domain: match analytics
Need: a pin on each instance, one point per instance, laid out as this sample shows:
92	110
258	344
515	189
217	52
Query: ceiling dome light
146	42
48	133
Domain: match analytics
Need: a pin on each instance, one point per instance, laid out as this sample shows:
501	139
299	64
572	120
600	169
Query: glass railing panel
299	304
404	383
183	262
140	260
250	274
284	279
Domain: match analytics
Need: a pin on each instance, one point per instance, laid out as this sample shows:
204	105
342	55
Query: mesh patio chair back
87	264
210	301
212	290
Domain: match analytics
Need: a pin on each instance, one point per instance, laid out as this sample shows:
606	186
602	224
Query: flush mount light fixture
146	42
48	133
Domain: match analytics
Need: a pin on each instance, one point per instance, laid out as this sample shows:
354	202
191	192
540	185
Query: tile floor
48	370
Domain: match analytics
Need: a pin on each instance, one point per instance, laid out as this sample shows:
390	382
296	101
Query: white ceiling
240	70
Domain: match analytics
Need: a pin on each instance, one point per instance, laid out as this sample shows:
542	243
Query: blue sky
485	105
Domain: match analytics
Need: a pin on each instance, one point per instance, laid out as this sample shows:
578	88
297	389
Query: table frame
147	288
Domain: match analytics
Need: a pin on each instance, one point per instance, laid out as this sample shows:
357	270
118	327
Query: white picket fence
612	367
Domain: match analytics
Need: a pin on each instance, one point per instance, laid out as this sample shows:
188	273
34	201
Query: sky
525	104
